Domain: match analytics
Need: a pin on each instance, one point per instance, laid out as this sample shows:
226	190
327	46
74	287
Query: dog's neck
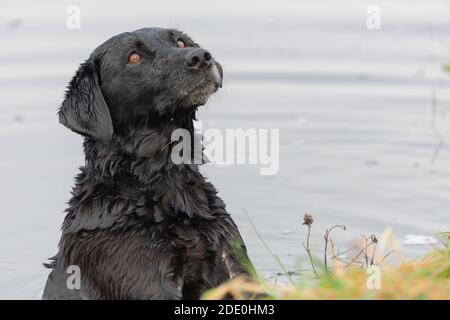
136	170
142	153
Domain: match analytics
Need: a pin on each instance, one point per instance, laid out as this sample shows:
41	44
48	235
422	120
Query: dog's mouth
199	96
204	89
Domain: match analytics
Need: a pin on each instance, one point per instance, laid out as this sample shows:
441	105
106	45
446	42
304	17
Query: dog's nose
198	59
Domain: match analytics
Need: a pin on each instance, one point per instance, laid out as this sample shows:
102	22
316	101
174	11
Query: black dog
138	225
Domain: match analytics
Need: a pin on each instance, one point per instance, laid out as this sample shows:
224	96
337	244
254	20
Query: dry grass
428	278
353	277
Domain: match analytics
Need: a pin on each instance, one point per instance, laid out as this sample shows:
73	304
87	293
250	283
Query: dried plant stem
361	252
365	252
328	239
387	255
345	251
372	260
308	250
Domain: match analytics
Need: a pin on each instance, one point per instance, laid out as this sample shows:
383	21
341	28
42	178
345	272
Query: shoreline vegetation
372	269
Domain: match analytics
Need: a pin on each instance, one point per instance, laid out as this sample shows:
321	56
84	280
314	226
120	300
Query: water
362	115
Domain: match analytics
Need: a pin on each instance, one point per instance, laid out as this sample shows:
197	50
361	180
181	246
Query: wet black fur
139	226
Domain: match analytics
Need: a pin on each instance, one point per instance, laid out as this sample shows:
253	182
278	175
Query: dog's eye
134	58
181	43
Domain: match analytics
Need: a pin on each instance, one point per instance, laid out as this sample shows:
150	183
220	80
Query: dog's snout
199	59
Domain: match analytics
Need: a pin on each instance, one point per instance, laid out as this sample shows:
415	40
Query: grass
446	67
364	272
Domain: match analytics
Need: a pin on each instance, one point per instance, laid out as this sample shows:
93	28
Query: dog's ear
84	109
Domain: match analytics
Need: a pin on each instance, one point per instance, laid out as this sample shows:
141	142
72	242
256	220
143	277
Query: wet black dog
139	226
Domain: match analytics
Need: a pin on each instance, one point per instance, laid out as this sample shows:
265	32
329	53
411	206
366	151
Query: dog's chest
189	239
195	251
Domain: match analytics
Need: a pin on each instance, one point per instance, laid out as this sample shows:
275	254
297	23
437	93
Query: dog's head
143	76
